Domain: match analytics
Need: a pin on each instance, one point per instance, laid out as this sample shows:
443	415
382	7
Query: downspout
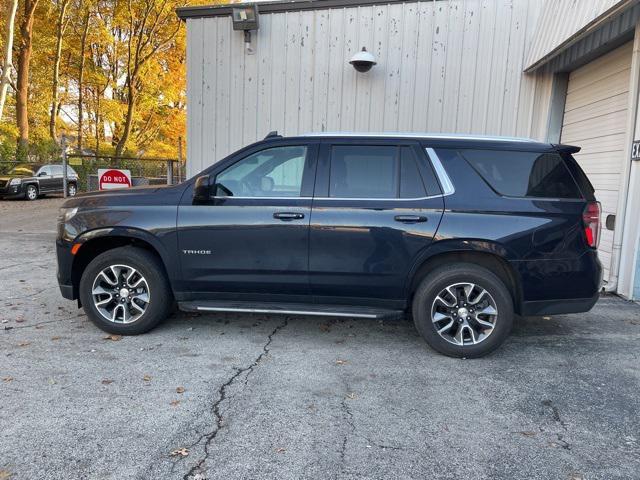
623	191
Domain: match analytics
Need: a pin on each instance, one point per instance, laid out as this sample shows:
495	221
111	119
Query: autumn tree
7	61
60	28
24	60
151	29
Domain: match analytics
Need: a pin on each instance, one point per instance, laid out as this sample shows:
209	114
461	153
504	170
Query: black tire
435	282
72	190
31	193
151	268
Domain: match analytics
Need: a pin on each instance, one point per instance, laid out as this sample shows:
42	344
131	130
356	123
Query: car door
376	209
45	179
57	178
251	240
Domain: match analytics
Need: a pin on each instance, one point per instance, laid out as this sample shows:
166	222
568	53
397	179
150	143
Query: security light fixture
245	18
363	61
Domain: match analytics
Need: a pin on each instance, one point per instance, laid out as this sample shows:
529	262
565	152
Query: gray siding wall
445	66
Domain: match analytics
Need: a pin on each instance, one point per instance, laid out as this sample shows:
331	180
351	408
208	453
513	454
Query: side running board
288	309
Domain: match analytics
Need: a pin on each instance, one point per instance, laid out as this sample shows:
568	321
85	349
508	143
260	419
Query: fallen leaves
280	450
351	396
341	362
147	378
528	433
113	338
24	344
106	381
180	390
174	403
183	452
4	474
56	337
7	379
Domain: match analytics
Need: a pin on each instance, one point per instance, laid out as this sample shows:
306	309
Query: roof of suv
441	139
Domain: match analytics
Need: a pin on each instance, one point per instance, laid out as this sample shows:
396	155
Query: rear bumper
558	307
554	287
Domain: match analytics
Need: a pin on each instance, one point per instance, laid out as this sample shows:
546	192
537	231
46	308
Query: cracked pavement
300	397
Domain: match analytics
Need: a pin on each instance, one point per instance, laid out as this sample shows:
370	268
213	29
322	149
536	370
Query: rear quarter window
524	174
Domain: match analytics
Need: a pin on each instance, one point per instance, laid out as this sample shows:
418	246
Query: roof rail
272	134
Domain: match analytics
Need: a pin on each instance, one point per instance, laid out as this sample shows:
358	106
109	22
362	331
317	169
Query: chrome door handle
410	218
286	216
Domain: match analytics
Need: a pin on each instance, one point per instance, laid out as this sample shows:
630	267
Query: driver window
44	171
275	172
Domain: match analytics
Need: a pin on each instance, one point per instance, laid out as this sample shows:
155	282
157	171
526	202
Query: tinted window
524	174
46	170
364	171
411	185
275	172
57	169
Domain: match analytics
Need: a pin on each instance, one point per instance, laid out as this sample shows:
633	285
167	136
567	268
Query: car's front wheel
125	291
463	310
31	193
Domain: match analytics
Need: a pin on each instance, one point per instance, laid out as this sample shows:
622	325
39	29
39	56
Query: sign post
111	178
65	181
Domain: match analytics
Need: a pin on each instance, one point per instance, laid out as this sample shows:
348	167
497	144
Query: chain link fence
144	171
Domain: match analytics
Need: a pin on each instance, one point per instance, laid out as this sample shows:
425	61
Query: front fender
136	234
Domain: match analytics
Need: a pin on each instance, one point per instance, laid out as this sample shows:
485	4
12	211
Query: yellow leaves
180	390
182	452
113	338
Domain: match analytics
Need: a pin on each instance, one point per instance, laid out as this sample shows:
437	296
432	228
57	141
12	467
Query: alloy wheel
32	192
71	190
464	314
120	294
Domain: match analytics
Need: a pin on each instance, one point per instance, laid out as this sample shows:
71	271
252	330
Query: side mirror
42	174
202	191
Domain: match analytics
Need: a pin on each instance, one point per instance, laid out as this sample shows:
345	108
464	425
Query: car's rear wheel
72	190
31	193
463	310
125	291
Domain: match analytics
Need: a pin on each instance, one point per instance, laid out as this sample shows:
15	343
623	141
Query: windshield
29	170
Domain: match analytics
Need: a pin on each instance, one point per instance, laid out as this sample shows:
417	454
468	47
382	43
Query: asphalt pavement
255	396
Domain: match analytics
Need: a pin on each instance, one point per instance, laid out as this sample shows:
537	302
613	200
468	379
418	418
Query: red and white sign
109	178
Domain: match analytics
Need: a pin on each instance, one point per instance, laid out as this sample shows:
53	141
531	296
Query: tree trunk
128	123
24	60
56	71
5	79
83	43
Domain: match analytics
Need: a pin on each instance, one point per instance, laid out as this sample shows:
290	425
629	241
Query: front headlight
66	214
15	181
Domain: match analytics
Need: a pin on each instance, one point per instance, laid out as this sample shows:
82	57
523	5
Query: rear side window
524	174
373	171
363	171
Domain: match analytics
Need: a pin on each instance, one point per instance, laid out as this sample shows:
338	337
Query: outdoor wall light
363	61
245	18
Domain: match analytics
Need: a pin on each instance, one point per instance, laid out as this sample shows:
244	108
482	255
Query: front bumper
64	273
11	191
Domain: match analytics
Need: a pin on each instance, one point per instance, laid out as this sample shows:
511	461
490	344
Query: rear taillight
591	219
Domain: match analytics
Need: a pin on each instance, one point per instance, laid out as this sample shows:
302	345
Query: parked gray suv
30	181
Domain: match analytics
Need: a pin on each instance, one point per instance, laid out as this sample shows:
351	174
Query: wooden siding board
442	66
195	65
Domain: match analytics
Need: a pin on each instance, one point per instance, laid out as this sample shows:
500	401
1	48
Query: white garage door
595	118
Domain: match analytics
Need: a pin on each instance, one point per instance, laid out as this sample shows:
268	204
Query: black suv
462	232
31	181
